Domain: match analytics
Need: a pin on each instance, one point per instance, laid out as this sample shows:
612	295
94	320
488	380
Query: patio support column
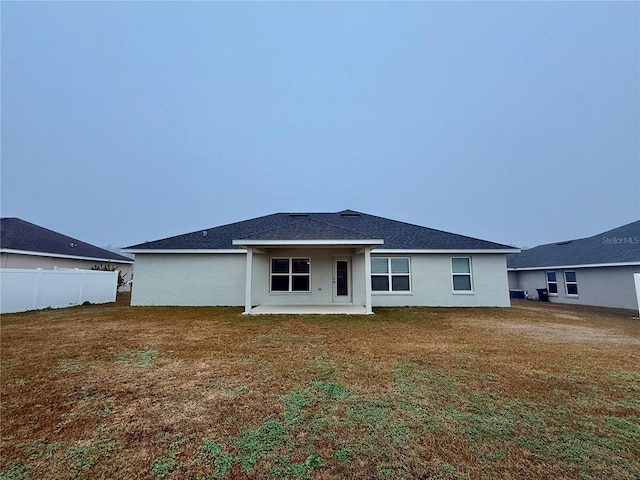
248	278
367	280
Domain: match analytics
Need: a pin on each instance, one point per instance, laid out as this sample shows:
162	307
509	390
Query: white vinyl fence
28	289
636	280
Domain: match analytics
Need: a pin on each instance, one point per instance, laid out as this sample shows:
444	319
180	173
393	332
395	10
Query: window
570	283
290	275
461	274
552	283
390	274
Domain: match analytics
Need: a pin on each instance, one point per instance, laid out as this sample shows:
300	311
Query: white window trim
390	277
566	283
470	274
290	274
548	282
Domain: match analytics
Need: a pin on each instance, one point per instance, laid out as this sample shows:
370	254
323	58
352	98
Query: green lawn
537	390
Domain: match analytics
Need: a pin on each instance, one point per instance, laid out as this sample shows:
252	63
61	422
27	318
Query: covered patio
278	278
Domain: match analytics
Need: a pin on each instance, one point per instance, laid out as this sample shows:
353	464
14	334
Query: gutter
562	267
61	255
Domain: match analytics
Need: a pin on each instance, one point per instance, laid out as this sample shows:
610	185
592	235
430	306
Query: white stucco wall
529	281
432	283
189	279
219	279
514	280
598	286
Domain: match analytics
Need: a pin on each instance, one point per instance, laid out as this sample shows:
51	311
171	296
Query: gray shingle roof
620	245
308	229
345	225
16	234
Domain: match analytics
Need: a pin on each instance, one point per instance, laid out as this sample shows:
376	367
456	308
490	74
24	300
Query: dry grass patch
537	390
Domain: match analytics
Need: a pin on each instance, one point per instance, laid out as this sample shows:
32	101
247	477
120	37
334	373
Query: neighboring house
335	262
589	271
25	245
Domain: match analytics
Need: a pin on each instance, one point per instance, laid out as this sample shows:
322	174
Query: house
343	262
597	270
26	245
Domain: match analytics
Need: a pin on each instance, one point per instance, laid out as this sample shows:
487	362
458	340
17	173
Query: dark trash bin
517	294
543	294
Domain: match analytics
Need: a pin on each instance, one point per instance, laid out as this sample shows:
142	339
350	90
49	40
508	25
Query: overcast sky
512	122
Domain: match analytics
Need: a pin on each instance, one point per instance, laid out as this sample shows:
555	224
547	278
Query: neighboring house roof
18	236
348	225
618	246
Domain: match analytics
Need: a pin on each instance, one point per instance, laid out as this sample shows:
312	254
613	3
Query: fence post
36	289
82	280
636	280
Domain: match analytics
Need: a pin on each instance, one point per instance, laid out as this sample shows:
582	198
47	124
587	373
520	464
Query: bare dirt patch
573	333
554	322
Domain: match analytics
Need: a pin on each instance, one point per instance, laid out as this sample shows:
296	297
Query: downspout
367	281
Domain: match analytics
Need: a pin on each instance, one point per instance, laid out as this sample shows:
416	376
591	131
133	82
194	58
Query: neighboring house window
390	274
570	283
461	274
552	283
290	275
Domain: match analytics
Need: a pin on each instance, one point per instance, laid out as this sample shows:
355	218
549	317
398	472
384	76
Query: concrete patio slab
309	310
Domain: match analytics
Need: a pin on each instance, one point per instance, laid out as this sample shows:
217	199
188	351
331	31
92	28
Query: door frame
334	290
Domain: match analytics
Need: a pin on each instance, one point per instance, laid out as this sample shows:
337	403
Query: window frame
460	274
573	282
549	282
290	274
389	275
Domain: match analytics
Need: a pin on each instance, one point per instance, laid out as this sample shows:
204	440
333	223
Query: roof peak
344	224
301	228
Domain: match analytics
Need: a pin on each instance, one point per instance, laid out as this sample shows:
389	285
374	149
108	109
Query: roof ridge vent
350	214
298	214
564	243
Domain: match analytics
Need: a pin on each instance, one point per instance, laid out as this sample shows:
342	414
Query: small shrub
112	268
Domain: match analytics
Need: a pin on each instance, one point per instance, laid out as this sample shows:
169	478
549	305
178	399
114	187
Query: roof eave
561	267
308	243
136	251
446	250
61	255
